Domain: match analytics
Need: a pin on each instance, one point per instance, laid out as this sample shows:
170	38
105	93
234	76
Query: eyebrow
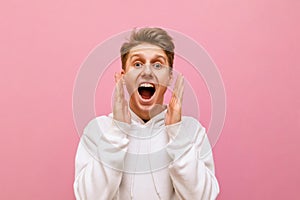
141	55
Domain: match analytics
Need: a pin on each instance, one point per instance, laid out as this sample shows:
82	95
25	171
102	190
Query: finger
181	89
175	90
118	77
179	85
119	86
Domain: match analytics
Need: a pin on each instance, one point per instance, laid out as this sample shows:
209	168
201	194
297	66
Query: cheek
129	86
164	79
162	90
130	82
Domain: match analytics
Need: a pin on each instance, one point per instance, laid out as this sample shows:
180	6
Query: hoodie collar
157	121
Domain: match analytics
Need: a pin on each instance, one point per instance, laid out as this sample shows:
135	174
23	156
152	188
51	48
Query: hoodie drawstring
151	171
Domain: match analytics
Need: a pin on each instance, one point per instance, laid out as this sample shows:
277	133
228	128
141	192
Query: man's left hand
175	105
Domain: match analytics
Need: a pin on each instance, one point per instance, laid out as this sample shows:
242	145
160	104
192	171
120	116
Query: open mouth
146	90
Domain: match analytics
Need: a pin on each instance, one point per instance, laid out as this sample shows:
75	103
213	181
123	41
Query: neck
146	115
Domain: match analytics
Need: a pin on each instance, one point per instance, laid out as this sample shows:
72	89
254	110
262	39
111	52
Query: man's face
147	75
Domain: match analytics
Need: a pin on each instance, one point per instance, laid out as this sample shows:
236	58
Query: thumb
118	77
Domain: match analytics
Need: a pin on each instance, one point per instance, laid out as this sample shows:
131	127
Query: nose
147	70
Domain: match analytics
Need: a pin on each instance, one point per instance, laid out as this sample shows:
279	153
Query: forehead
146	50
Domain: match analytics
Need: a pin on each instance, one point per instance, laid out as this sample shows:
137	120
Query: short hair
154	36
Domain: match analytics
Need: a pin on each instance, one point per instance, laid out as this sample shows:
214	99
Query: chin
143	107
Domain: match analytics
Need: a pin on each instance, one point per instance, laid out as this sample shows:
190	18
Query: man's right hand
120	110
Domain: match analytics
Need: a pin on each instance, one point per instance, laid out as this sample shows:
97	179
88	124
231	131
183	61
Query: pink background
253	42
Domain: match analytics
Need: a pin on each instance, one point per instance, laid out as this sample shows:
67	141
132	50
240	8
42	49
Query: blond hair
154	36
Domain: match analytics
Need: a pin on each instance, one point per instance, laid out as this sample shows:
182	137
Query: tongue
146	94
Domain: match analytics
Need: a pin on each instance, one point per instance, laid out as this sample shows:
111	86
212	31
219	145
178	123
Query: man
144	149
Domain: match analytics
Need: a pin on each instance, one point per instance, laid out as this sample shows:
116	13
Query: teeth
146	85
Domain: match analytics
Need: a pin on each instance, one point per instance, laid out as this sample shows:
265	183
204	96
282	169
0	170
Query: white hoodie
144	161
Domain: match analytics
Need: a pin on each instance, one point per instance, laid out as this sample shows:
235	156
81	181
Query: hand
120	110
175	106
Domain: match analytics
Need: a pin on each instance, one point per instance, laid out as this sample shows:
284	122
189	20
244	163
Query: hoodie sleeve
192	169
99	159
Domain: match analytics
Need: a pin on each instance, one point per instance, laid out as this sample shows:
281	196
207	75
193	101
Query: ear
122	76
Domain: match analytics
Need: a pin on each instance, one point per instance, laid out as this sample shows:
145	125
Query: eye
157	65
138	65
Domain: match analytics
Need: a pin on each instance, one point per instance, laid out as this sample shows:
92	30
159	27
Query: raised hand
120	108
173	114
